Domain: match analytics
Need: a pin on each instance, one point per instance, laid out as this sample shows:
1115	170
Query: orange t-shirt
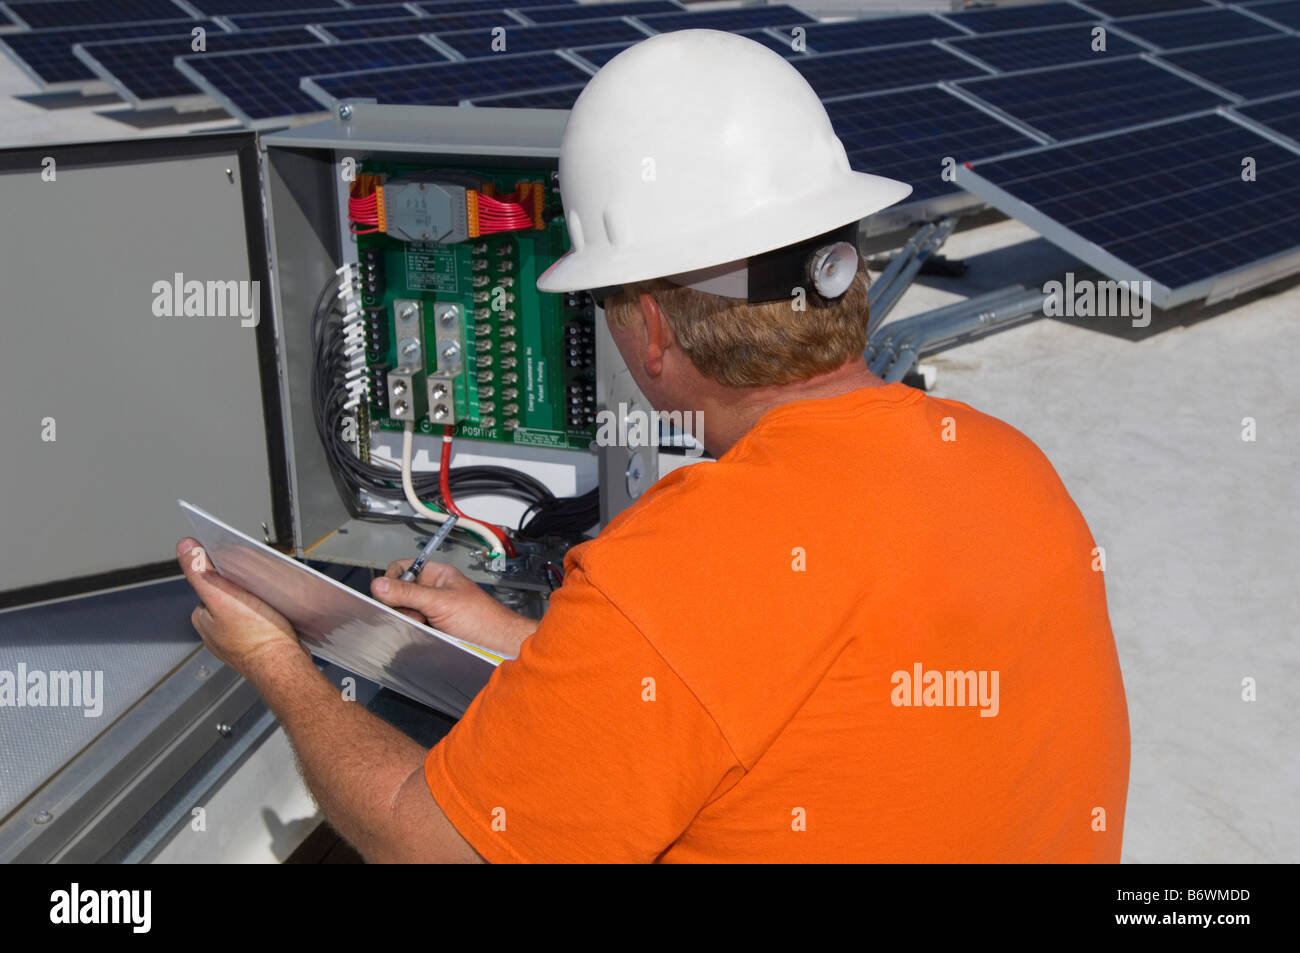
872	631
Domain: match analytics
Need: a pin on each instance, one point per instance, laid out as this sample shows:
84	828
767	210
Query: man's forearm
353	762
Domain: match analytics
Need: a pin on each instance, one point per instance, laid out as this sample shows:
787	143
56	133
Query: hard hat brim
772	226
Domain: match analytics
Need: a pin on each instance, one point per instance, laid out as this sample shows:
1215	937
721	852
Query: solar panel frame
1239	67
119	62
1051	101
43	15
434	7
1227	262
903	66
547	98
51	65
1042	48
477	44
415	85
600	54
563	13
275	87
1020	17
1180	29
739	18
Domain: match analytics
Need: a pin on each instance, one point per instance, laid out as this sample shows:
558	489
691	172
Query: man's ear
658	333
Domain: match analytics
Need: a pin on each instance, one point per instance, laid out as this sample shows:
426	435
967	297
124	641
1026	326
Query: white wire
425	511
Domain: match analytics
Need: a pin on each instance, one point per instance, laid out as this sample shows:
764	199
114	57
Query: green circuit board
525	373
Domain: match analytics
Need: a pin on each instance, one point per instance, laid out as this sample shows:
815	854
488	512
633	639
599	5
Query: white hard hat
690	153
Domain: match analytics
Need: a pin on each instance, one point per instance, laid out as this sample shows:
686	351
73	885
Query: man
873	630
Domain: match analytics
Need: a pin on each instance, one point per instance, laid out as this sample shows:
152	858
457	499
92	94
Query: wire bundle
333	401
365	203
495	215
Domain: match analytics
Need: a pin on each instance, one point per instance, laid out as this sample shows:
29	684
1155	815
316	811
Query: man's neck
730	413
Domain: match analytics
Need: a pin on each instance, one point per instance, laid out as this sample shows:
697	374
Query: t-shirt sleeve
586	748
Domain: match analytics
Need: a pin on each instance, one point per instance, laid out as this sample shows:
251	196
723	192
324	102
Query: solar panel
46	55
473	44
560	97
1169	31
41	14
266	21
595	11
372	29
219	8
857	34
1165	203
743	18
1253	69
1134	8
1078	100
782	42
907	135
864	71
1025	17
447	84
142	71
1282	115
1053	46
434	7
261	86
1286	13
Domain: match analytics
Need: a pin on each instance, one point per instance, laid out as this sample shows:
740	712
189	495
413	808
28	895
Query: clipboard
340	625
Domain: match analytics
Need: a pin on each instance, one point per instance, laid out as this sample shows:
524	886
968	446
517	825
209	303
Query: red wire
444	485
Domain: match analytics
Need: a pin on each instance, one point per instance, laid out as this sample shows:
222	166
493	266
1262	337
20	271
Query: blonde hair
755	345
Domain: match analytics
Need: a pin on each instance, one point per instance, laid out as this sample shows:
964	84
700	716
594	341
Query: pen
434	542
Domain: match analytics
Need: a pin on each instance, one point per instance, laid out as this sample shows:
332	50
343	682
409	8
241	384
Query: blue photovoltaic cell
858	34
1136	8
446	84
907	135
560	98
371	29
596	11
1025	17
468	6
263	84
1286	13
1174	30
1055	46
864	71
47	54
1089	98
143	70
41	14
220	8
1282	115
1253	70
266	21
1168	200
473	44
743	18
598	56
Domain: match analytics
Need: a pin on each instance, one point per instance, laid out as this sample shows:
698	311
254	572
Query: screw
399	387
441	412
450	352
345	112
407	312
224	729
44	817
203	672
410	347
230	174
400	408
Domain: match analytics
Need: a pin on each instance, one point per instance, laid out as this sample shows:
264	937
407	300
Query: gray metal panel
133	637
146	408
433	130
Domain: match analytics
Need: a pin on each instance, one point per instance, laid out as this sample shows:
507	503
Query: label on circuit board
430	267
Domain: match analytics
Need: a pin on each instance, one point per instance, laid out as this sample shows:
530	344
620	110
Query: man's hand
447	599
236	626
